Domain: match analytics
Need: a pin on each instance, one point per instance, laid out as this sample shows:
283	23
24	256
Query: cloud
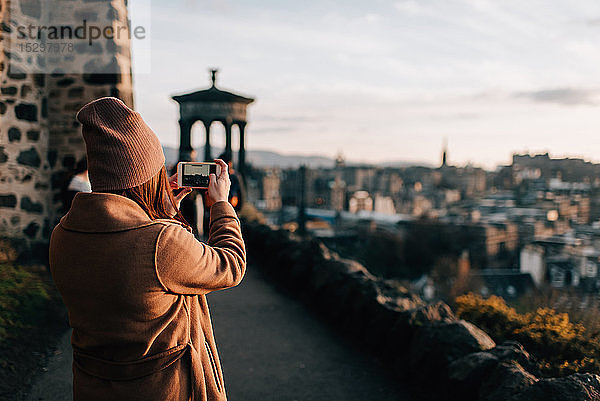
372	18
411	7
563	96
593	21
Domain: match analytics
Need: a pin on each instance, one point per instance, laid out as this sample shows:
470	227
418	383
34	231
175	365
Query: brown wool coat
135	292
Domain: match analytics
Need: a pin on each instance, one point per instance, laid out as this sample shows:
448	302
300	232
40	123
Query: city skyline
388	80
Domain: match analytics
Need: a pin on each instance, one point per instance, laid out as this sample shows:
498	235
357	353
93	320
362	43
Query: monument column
185	141
207	150
242	152
228	139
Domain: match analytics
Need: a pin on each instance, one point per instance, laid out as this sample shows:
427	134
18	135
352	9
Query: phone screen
196	175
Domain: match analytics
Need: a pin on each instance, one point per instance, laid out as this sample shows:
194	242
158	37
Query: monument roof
212	94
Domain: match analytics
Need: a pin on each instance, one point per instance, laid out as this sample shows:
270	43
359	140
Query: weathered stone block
33	135
32	8
25	90
30	206
39	80
506	380
65	82
577	387
16	73
26	111
14	134
94	48
8	200
76	92
52	155
436	345
32	229
466	374
9	90
29	158
45	107
105	74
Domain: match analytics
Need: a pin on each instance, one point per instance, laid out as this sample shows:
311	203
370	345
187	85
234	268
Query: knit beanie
122	151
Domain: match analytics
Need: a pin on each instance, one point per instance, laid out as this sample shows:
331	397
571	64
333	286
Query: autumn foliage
560	346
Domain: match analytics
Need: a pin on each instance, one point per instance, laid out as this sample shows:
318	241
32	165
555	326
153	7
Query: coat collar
104	212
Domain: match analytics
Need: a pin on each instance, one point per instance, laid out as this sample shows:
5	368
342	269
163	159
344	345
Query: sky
382	80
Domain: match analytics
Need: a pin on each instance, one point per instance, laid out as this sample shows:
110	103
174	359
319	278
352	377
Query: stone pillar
242	152
185	140
228	139
207	150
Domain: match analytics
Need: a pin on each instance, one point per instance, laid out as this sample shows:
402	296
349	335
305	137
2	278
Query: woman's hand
218	187
182	194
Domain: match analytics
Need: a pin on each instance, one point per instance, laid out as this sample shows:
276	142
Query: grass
31	317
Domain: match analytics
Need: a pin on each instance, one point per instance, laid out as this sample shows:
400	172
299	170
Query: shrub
560	346
23	298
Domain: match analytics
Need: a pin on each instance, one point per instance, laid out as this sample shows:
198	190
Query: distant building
360	200
271	184
384	204
338	194
507	283
531	261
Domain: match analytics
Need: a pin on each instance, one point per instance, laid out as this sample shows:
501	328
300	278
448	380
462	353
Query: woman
132	275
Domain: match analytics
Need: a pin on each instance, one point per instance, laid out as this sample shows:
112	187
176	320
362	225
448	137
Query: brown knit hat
122	151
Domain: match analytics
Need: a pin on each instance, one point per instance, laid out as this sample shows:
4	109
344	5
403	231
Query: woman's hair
154	196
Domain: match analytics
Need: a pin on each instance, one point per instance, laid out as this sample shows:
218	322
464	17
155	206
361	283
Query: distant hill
266	158
263	158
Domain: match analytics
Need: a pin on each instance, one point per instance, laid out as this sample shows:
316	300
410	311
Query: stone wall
39	137
423	344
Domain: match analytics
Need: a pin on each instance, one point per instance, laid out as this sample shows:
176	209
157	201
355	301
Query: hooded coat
135	293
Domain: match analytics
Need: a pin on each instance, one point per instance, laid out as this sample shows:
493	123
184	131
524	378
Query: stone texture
31	230
466	374
14	134
506	380
434	346
577	387
32	8
33	207
33	135
9	90
29	158
16	73
3	155
26	111
65	82
9	200
44	112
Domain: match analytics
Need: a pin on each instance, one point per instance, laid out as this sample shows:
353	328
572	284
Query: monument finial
213	75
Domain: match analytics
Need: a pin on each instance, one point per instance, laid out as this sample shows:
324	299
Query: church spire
445	153
213	76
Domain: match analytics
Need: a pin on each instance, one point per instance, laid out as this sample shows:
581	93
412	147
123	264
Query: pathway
272	347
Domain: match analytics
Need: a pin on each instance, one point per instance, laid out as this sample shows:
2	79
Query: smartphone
195	174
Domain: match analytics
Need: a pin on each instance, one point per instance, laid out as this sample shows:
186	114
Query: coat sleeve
185	265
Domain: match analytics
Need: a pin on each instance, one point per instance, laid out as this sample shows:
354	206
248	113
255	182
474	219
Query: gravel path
272	347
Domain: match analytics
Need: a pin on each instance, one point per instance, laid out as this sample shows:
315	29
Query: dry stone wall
424	344
39	136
